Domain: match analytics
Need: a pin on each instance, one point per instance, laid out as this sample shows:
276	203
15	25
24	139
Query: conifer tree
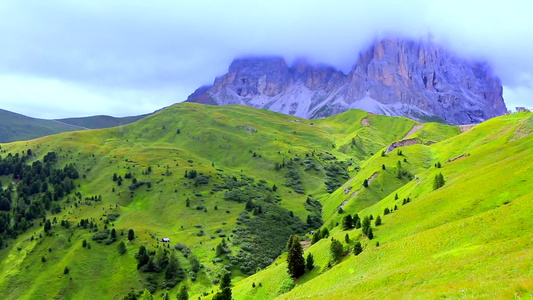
438	182
225	288
378	221
370	234
365	183
295	259
131	235
121	247
347	222
357	248
316	237
336	249
366	225
183	294
310	262
146	295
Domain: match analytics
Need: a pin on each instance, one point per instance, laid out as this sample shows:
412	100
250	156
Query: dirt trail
458	157
351	197
402	143
466	127
413	130
305	244
372	177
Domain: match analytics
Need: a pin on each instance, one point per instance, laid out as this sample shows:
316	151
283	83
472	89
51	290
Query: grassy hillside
15	127
237	154
470	238
259	177
99	122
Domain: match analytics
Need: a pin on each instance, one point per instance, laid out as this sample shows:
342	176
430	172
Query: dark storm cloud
67	58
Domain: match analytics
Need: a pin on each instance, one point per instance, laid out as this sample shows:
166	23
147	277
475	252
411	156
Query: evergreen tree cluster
161	260
349	222
36	187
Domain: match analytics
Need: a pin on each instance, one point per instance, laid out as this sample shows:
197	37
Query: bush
286	286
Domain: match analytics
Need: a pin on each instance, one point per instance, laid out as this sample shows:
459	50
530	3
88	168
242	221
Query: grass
469	239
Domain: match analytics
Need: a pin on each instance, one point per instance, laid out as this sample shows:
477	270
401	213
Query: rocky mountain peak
417	79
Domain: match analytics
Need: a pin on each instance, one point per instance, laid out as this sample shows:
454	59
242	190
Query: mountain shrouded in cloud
420	80
66	59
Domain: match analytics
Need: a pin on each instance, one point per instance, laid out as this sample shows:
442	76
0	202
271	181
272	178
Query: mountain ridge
18	127
420	80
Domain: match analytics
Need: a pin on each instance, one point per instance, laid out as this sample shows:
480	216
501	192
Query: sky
78	58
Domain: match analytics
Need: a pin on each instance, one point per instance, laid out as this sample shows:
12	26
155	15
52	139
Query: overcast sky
79	58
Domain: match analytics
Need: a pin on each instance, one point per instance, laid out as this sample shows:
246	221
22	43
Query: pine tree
131	235
225	288
357	224
370	234
183	294
336	249
325	233
355	219
316	237
310	262
378	221
347	222
438	182
365	183
347	238
121	247
357	248
366	225
47	226
146	295
295	258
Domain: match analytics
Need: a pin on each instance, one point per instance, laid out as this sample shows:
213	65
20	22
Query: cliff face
393	77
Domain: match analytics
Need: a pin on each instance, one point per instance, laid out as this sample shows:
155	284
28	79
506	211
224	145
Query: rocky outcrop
419	80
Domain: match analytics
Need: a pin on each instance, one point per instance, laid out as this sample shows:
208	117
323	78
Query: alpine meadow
261	150
176	200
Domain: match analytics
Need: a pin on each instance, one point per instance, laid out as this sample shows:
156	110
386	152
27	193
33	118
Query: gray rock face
419	80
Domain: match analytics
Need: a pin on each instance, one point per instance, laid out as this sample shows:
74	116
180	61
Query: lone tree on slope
295	258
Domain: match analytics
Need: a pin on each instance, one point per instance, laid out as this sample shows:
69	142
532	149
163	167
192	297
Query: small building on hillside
521	109
165	240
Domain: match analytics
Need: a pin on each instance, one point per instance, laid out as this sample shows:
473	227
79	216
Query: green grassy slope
221	142
468	239
16	127
99	122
